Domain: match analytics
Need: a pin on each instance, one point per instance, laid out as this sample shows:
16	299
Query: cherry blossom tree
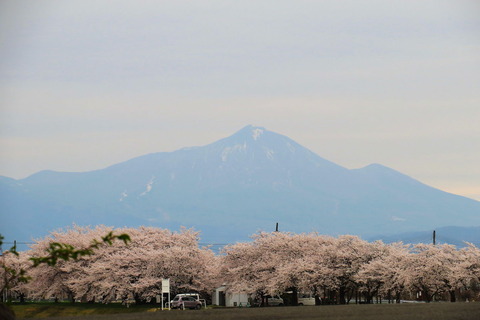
276	262
471	261
427	271
468	269
310	270
334	269
50	280
13	275
120	272
300	256
385	274
249	267
344	261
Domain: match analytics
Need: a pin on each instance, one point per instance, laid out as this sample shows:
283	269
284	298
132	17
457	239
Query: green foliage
66	252
10	274
55	251
13	250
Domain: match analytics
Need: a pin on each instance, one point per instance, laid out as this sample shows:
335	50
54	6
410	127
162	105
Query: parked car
186	301
195	295
306	300
275	301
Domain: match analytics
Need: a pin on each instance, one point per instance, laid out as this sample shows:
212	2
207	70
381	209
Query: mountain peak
251	131
232	187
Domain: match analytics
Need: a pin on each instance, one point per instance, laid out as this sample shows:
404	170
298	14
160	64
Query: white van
275	300
306	300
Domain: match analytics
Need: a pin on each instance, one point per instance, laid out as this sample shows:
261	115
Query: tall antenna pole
434	236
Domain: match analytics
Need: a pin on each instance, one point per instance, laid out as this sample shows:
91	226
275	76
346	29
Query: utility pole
434	236
5	278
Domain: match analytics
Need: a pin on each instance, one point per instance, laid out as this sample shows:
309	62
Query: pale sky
87	84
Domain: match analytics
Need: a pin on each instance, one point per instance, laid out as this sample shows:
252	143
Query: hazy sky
86	84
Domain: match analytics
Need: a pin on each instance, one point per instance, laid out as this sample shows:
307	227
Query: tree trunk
71	297
294	296
137	299
428	297
332	297
453	297
264	302
350	294
397	297
342	295
317	297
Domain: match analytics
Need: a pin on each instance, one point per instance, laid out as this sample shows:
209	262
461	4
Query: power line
18	242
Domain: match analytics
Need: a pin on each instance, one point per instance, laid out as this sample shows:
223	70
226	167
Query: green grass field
433	311
44	310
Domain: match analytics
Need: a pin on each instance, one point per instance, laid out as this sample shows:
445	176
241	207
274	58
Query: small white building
221	297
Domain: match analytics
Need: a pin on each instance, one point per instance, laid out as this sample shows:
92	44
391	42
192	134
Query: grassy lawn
433	311
50	309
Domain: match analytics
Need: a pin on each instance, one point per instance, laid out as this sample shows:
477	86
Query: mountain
229	190
457	236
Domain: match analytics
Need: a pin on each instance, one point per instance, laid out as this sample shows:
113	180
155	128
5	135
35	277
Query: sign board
165	285
166	289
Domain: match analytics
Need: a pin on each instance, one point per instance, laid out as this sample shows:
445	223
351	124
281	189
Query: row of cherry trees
118	272
334	269
338	269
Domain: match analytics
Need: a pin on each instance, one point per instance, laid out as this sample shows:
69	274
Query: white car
275	301
196	296
306	300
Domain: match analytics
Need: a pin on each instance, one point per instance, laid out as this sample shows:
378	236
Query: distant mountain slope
457	236
230	189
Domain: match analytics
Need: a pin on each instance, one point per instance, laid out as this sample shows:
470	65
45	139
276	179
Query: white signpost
166	289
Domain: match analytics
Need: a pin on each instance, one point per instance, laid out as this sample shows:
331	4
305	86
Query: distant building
221	297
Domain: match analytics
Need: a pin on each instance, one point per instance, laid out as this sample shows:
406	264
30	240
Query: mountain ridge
234	186
458	236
